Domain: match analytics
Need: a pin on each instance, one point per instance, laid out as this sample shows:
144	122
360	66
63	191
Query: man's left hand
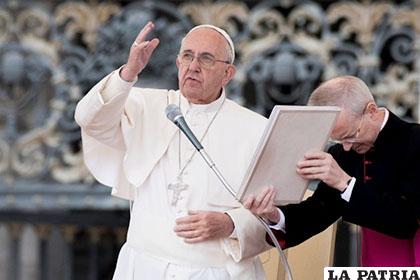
200	226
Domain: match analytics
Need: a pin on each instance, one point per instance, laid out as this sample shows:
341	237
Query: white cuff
233	235
346	195
114	86
281	225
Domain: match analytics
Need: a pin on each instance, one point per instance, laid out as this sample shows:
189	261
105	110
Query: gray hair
347	92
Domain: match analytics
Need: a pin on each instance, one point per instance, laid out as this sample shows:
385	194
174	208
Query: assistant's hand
140	53
322	166
263	205
200	226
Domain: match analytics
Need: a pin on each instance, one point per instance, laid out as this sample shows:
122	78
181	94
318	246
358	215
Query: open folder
290	133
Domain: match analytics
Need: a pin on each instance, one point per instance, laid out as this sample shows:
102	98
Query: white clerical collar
385	118
203	108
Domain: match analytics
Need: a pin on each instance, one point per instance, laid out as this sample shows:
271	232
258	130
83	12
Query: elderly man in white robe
184	224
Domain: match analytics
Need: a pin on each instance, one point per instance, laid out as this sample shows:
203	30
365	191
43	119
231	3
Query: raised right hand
140	53
263	205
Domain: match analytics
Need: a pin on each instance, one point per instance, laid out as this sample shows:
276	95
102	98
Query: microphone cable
173	113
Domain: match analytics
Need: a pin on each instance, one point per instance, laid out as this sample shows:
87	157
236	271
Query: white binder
290	133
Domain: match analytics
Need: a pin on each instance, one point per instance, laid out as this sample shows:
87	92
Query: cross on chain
177	188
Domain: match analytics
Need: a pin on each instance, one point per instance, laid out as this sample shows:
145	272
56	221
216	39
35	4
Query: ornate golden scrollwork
53	54
83	18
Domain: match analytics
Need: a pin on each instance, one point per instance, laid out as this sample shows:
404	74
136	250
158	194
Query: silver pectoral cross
177	187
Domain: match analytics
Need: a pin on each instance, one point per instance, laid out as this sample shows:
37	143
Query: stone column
69	232
94	238
4	252
29	254
43	234
15	230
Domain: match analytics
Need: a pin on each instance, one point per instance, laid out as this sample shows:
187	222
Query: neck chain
178	186
181	170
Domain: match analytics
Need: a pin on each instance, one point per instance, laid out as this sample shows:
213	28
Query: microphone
173	113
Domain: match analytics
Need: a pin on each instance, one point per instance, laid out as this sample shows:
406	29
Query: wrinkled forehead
209	38
345	121
203	40
346	117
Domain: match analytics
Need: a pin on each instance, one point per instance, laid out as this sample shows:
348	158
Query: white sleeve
346	195
248	238
281	225
115	86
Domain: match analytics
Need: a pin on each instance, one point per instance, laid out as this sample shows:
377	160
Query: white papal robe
129	144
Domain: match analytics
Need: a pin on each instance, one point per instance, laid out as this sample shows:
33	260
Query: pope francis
184	224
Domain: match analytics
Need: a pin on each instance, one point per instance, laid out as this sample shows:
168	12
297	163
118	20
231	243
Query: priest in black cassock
370	177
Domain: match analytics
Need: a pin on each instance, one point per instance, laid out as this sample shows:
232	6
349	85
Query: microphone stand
222	179
174	114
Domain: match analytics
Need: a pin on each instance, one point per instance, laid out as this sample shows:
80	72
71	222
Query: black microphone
173	113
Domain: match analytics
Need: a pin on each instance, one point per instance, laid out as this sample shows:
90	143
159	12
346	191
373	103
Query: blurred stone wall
51	53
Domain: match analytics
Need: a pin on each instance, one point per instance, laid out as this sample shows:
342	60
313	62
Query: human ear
229	73
371	107
372	110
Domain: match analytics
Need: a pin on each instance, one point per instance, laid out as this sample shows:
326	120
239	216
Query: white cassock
130	145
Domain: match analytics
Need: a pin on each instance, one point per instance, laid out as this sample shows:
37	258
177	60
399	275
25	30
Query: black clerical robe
385	198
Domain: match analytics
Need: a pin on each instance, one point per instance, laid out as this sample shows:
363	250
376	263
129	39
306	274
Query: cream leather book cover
290	133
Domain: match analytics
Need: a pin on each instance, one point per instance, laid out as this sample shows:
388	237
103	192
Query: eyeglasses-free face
206	60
